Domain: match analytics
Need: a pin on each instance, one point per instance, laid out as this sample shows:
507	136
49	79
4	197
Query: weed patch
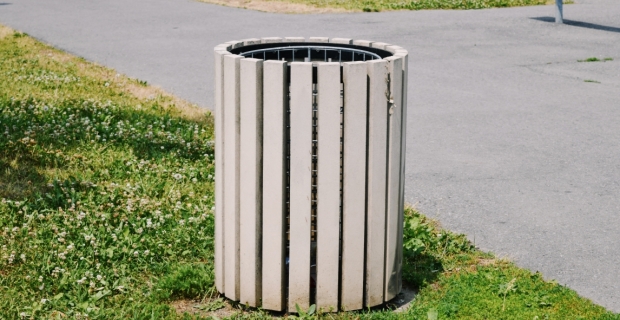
186	281
595	59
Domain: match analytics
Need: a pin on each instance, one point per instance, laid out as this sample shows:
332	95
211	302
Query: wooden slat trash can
310	150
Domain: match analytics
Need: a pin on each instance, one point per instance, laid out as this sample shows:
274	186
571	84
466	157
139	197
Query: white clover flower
139	230
23	257
177	176
81	281
43	301
146	252
136	253
182	222
40	278
194	180
99	277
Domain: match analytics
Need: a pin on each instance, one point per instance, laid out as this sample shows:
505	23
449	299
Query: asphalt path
506	141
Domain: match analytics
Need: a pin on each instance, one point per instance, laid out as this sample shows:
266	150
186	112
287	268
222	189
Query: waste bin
310	147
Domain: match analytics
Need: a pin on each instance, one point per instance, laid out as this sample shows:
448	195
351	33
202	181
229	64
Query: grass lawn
106	188
324	6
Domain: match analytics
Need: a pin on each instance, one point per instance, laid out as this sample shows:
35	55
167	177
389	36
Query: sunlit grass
106	209
106	185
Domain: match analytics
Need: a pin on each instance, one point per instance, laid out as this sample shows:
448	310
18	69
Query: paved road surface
506	142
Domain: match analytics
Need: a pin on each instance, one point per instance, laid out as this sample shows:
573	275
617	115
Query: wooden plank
403	151
251	41
251	173
377	177
271	39
393	192
219	170
379	45
354	185
340	40
294	39
275	99
328	187
364	43
318	39
300	185
231	176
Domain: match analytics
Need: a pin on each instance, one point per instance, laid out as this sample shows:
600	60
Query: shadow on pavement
5	3
580	24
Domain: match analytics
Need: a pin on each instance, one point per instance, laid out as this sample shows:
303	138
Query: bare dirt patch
275	6
197	307
4	31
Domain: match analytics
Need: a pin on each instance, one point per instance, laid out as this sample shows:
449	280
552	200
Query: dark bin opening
310	52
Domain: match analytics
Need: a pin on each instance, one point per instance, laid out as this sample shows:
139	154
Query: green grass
382	5
595	59
106	209
105	194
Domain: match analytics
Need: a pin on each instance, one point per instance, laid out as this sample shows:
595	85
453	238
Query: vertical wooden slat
340	40
377	176
251	41
393	192
275	99
379	45
300	185
328	207
354	185
318	39
251	171
231	176
219	169
403	148
294	39
400	52
271	40
364	43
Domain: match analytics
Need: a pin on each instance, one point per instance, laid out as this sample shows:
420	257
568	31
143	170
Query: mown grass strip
106	202
326	6
374	6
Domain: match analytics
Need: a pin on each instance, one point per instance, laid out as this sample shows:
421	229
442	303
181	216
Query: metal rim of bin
326	52
256	263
